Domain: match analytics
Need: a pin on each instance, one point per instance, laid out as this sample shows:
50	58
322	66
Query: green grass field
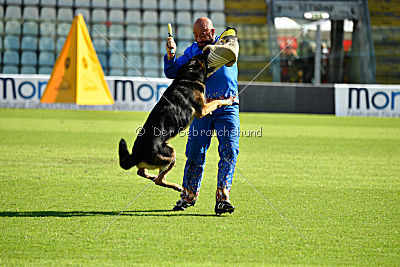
336	179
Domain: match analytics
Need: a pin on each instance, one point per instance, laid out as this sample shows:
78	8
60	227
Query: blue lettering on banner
40	84
5	80
159	87
20	92
359	90
383	106
145	86
394	99
25	90
123	82
389	98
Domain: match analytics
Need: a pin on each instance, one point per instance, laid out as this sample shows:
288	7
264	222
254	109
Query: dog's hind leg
161	179
143	172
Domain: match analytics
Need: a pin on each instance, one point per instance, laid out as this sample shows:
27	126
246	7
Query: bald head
204	32
203	24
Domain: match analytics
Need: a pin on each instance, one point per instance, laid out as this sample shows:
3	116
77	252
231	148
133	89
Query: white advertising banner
136	93
367	100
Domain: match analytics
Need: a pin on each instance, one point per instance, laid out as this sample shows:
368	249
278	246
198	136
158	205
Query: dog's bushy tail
126	160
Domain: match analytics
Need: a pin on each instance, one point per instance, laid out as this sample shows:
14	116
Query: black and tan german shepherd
183	100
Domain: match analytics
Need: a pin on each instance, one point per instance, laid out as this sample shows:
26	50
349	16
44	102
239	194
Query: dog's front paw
227	102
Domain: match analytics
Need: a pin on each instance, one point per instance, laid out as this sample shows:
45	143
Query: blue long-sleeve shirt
222	84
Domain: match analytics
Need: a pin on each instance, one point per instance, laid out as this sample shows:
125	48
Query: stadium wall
141	94
287	98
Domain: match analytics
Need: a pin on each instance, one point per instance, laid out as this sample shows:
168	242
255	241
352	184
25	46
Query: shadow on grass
164	213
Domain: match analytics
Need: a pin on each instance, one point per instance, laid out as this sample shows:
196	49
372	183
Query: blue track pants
226	124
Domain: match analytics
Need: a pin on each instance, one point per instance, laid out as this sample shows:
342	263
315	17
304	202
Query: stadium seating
85	13
99	15
150	31
46	44
132	4
217	5
31	2
150	16
200	5
199	14
60	43
117	72
183	17
11	57
13	12
116	31
150	62
116	45
28	58
46	59
10	69
135	60
99	3
31	13
11	42
29	43
218	18
16	2
167	16
48	13
99	30
48	29
133	46
185	32
28	70
48	2
133	31
133	17
100	45
63	29
36	30
13	27
82	3
116	4
103	59
30	28
161	48
116	16
65	3
116	61
149	4
182	4
64	14
151	73
45	70
166	4
150	47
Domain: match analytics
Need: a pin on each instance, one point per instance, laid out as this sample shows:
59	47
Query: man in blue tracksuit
225	121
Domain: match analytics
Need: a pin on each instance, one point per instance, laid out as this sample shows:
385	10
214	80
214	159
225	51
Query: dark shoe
223	207
182	204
